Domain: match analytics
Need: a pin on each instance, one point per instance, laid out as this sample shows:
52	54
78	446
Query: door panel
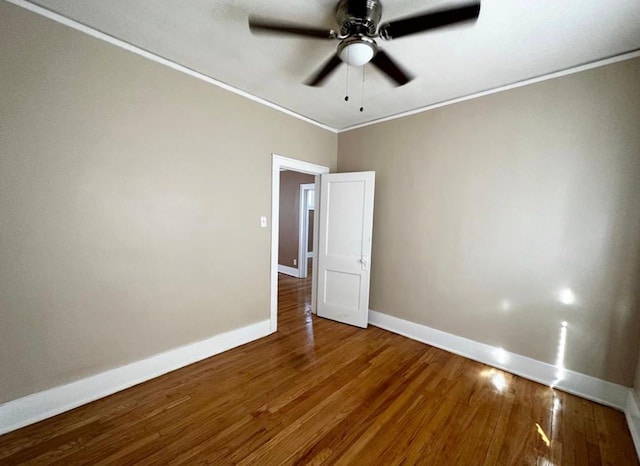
342	289
346	210
344	252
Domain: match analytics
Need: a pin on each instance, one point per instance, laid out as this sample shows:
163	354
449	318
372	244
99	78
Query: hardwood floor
318	392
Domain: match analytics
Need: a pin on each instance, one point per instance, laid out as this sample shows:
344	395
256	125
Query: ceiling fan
359	27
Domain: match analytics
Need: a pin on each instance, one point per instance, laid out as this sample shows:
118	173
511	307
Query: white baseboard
33	408
288	270
632	413
582	385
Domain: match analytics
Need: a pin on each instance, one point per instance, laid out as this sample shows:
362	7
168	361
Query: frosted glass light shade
357	54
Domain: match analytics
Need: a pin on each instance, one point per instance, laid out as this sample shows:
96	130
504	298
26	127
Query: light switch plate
263	222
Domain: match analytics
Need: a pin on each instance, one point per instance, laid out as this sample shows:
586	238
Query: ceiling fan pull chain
362	95
346	97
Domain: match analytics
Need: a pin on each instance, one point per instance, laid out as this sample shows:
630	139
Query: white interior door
344	247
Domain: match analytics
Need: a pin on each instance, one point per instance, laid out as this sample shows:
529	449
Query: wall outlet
295	261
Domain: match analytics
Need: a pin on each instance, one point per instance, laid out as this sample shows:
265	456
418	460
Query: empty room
323	232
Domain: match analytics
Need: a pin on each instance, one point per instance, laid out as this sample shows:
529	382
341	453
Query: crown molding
196	74
159	59
556	74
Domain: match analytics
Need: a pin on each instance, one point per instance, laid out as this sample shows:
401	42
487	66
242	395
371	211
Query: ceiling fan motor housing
362	18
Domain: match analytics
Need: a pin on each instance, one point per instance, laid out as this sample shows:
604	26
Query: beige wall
290	182
130	199
485	210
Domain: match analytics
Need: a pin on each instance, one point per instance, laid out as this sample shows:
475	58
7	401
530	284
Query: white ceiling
513	40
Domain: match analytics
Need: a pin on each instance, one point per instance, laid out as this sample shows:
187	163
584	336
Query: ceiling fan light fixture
357	51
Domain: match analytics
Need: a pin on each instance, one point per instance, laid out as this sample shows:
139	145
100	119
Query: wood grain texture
318	392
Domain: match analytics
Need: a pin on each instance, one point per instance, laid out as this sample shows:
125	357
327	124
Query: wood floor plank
318	392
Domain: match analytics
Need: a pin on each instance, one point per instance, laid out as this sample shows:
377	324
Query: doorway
293	240
280	164
305	229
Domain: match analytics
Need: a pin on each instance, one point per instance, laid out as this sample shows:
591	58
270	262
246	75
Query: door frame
303	229
278	163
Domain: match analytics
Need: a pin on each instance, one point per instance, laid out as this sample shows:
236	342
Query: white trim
582	385
310	254
301	233
576	69
285	269
632	413
176	66
158	59
316	235
303	227
279	162
42	405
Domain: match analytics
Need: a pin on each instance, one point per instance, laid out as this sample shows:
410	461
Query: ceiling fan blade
384	63
427	21
324	72
258	25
